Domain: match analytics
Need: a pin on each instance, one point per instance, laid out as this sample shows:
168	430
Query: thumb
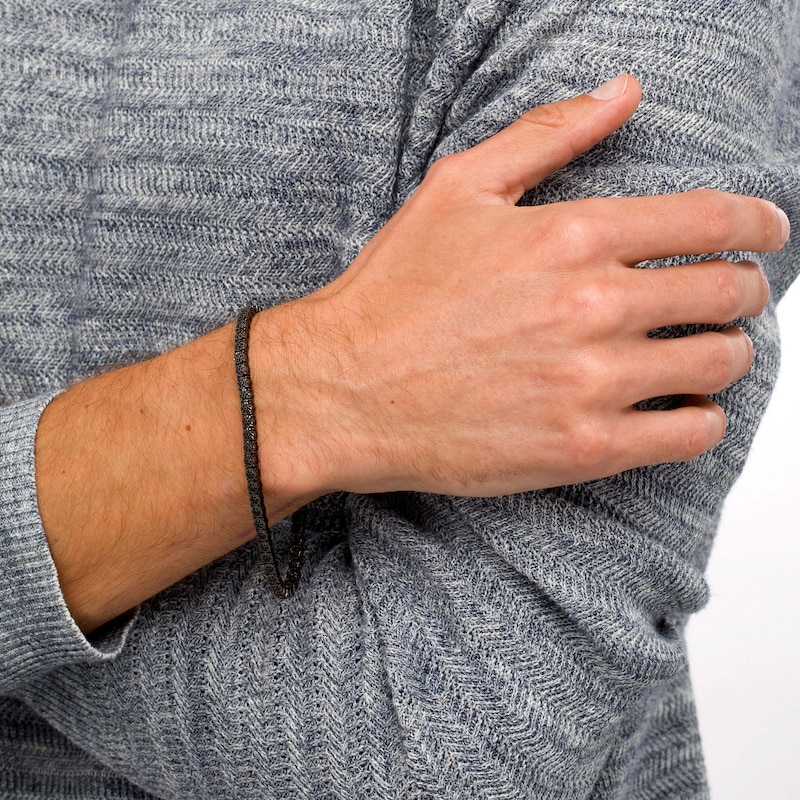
502	168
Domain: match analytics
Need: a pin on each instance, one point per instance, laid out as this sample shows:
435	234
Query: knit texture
163	164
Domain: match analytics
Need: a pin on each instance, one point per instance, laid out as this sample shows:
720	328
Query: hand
476	347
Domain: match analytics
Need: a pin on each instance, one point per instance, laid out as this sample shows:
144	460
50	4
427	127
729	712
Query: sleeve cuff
37	631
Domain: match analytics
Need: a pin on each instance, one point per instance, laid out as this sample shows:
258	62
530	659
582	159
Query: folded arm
402	375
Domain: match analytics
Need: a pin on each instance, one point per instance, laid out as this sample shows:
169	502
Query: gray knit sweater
164	163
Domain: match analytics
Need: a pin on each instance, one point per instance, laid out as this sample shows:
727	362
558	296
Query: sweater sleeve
528	646
37	632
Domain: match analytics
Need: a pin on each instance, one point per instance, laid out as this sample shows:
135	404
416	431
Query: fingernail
611	89
748	343
785	226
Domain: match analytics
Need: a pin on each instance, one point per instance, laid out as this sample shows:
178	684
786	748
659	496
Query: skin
403	375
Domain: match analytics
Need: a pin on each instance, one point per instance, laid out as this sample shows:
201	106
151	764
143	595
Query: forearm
140	476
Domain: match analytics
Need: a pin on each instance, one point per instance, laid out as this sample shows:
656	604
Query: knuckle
549	117
445	174
581	232
591	446
576	238
586	299
595	378
719	360
729	292
695	439
594	304
715	214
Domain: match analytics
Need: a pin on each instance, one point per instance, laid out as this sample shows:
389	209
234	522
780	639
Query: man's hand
473	347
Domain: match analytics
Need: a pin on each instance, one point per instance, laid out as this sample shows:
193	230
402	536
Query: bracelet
282	587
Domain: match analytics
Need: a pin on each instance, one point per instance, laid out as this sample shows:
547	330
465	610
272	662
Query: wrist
313	422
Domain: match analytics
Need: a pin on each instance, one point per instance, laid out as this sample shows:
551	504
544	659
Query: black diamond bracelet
282	587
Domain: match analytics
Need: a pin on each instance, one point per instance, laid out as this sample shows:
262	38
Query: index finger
699	222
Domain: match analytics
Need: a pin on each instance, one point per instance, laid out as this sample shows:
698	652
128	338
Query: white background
744	647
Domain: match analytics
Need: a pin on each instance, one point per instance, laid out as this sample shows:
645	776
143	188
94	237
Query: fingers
712	292
644	438
702	364
658	437
691	223
502	168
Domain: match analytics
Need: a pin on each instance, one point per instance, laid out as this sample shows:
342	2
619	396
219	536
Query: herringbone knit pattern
164	163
